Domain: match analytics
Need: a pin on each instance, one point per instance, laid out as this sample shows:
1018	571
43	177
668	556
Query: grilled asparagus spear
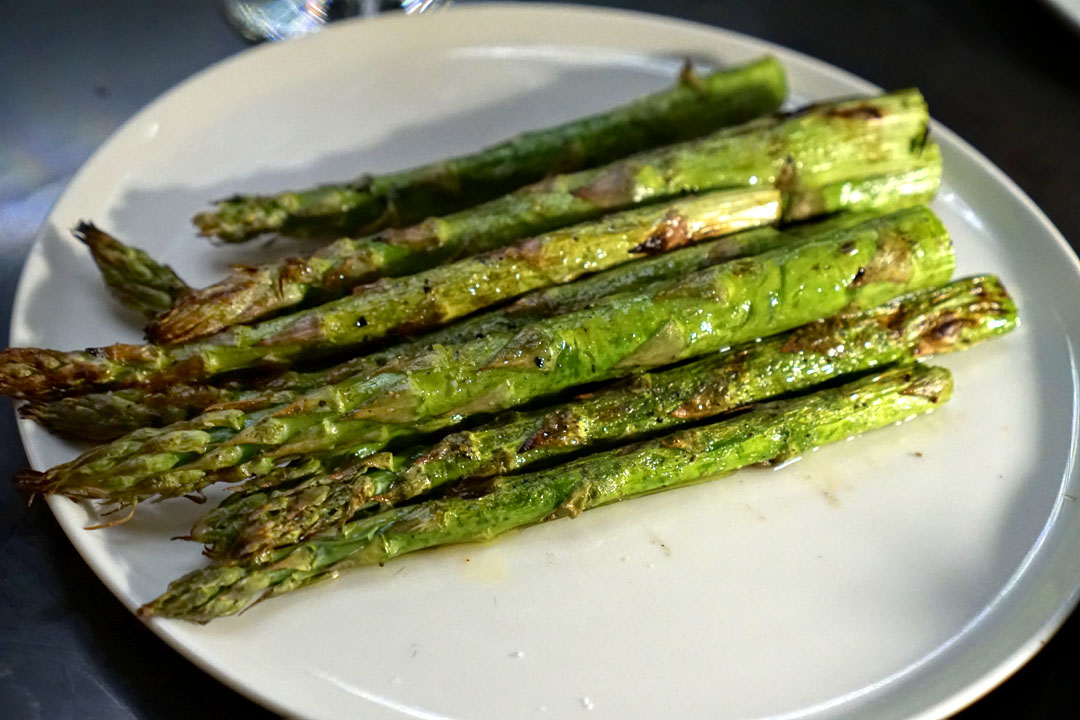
148	287
34	372
771	431
695	106
132	277
105	416
27	372
322	495
809	155
418	302
434	297
852	269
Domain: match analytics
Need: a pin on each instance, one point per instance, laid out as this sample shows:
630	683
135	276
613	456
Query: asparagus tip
206	223
202	312
210	592
89	233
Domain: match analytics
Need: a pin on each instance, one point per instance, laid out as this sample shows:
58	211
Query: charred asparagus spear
322	495
31	372
769	432
695	106
864	199
133	277
109	415
809	155
847	270
429	299
434	297
101	417
148	287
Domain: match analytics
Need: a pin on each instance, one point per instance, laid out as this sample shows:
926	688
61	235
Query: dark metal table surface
1001	74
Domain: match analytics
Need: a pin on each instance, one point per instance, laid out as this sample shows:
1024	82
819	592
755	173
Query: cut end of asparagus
980	308
33	483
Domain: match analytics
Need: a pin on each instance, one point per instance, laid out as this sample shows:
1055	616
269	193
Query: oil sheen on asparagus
316	496
104	416
772	431
333	327
844	270
822	146
698	104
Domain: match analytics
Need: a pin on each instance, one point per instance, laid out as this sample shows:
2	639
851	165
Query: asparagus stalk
865	199
424	300
849	270
317	499
770	432
444	293
807	155
146	286
846	270
695	106
104	416
31	372
133	277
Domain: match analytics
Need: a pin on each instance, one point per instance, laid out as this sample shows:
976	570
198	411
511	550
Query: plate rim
1067	10
960	698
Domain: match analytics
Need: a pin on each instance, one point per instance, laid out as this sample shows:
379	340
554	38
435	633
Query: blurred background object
279	19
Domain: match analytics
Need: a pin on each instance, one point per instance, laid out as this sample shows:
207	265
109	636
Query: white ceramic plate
903	574
1068	9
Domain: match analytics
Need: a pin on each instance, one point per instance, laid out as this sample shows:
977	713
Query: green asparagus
148	287
444	293
952	317
428	299
105	416
695	106
133	277
809	155
100	417
28	372
772	431
846	270
320	496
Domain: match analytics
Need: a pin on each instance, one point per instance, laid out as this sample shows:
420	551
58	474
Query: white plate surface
902	574
1069	9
